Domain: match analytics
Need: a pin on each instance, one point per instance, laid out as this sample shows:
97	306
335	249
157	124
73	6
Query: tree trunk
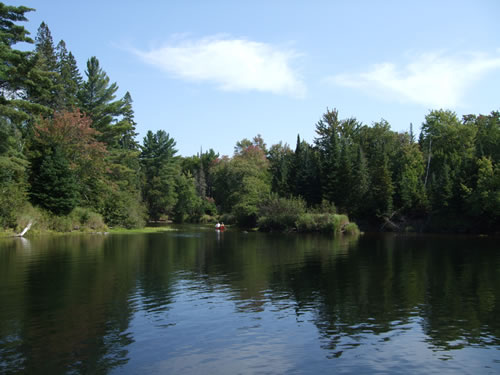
25	229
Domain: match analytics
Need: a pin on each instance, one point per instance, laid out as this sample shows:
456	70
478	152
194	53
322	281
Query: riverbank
5	233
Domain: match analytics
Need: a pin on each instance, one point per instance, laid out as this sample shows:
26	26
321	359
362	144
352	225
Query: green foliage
54	185
161	169
17	67
97	99
60	158
322	222
123	209
69	78
243	182
13	165
351	229
277	213
484	200
449	147
79	219
188	206
326	207
280	164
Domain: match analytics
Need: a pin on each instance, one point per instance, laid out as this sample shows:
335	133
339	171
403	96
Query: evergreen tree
280	163
16	69
449	146
13	184
45	48
161	169
328	145
97	98
361	187
307	183
125	128
382	188
345	178
45	85
70	78
409	182
55	186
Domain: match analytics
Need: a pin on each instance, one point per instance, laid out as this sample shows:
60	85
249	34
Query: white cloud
431	79
231	64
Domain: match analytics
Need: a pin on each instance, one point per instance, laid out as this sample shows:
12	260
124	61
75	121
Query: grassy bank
141	230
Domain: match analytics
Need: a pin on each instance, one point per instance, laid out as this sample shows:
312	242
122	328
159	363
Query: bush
305	223
206	219
29	213
227	218
351	228
61	223
326	207
339	222
326	223
125	210
208	206
280	213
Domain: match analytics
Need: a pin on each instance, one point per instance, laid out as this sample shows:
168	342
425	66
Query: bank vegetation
70	161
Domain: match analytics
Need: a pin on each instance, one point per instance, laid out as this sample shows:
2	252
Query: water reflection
190	300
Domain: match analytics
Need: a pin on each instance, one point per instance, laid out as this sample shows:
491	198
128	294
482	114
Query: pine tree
70	78
54	185
125	128
47	59
382	188
361	187
160	169
97	98
345	179
328	144
45	87
16	68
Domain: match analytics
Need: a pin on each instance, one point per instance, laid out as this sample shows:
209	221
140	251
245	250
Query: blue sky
211	73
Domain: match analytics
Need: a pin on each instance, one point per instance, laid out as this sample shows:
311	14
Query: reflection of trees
73	311
382	284
463	303
88	288
369	286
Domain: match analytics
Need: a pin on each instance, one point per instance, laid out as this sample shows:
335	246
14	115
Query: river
196	301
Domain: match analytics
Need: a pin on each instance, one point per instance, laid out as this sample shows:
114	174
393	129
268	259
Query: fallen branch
25	229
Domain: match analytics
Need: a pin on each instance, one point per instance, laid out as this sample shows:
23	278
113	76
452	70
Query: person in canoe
217	226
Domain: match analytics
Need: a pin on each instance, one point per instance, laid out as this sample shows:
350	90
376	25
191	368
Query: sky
211	73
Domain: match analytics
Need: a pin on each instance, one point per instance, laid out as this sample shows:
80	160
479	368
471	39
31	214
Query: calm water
197	302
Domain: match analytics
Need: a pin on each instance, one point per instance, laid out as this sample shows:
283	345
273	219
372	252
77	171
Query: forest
70	159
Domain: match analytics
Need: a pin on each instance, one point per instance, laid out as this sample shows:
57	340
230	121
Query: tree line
69	149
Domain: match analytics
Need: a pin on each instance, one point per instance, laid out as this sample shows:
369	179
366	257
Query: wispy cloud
430	79
230	64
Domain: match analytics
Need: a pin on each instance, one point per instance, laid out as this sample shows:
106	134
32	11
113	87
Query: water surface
196	301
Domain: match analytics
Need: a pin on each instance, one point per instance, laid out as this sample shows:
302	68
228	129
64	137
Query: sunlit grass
142	230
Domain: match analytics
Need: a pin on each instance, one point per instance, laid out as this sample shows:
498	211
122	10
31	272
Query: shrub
29	213
339	222
80	219
61	223
206	219
326	223
305	223
227	218
352	229
326	207
125	210
280	213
